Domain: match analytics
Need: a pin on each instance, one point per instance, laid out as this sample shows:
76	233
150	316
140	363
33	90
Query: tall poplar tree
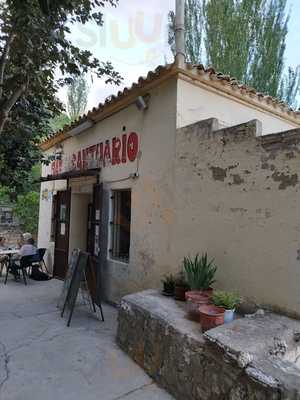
78	91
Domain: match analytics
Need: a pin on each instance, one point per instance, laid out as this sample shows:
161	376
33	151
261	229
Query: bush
26	209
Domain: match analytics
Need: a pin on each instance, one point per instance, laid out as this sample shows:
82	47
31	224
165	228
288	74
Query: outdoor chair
38	259
41	253
24	263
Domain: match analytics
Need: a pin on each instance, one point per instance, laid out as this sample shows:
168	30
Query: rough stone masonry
245	360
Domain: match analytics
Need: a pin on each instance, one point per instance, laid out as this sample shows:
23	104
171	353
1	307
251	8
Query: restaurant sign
117	151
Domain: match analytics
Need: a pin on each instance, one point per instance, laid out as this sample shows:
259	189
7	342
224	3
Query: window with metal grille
120	225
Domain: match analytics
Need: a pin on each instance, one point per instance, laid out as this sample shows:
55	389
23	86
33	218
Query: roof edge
205	77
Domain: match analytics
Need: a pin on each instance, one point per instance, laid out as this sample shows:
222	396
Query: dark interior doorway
62	205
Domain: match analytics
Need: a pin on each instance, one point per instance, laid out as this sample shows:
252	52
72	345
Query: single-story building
184	161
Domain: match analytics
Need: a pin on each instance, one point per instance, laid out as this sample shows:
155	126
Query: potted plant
181	286
168	285
211	316
200	273
229	301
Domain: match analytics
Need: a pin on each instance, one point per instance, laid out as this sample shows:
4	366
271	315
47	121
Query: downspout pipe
180	33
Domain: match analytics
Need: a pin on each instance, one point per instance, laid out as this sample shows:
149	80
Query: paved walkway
40	358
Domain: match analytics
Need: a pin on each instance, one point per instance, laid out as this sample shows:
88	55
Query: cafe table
9	253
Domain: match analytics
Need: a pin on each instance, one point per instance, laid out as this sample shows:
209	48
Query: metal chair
24	263
39	259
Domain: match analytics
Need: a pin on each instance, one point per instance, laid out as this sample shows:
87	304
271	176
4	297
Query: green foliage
267	63
242	38
59	121
26	209
78	92
227	300
169	283
200	272
5	195
35	44
290	87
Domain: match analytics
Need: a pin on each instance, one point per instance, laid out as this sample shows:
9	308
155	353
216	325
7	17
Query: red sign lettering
119	149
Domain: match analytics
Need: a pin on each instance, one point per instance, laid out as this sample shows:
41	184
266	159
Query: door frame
57	269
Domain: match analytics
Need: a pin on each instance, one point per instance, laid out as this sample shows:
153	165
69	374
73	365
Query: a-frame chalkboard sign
68	279
79	271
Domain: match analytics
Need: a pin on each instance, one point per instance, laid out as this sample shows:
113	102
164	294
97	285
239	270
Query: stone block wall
236	196
231	365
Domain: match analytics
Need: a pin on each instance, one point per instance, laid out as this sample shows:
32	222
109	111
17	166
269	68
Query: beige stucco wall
151	192
195	103
237	197
194	193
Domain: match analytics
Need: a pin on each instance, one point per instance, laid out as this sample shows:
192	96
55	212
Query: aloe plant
200	272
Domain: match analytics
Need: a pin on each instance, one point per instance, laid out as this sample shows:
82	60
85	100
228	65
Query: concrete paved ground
40	358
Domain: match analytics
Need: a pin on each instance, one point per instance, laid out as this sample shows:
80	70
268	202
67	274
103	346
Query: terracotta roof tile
207	74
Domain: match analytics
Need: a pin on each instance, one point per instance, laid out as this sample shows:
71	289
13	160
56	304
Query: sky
134	38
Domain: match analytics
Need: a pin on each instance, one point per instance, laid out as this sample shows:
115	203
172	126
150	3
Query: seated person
27	249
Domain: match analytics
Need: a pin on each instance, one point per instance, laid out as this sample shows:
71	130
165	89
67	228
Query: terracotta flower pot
207	292
194	300
180	292
211	316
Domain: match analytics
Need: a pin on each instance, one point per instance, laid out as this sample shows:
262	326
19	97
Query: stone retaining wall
224	363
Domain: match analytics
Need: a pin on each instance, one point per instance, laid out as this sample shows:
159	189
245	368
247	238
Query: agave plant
200	272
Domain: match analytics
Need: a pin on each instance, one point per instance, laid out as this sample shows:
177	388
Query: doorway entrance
77	225
61	210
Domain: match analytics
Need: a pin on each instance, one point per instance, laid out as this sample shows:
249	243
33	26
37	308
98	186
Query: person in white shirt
27	249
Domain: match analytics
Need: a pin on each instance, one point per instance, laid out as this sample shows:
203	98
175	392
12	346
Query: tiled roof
236	86
207	75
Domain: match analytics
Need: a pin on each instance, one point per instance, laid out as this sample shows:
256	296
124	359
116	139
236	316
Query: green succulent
169	283
200	272
227	300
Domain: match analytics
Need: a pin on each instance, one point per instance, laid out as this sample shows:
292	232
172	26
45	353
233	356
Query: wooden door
62	228
94	243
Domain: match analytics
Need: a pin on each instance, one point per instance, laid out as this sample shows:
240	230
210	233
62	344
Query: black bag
38	275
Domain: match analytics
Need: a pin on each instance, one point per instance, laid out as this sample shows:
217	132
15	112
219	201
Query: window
121	219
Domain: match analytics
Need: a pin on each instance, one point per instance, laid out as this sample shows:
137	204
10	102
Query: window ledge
117	261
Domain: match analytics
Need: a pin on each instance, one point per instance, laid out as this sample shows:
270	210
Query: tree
19	143
242	38
230	37
290	87
267	63
78	91
26	208
59	121
34	44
